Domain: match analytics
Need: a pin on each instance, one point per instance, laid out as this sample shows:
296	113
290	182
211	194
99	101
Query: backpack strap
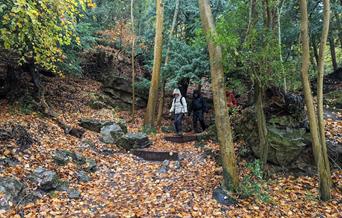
174	100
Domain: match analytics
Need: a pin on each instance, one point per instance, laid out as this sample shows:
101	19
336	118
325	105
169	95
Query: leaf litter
127	186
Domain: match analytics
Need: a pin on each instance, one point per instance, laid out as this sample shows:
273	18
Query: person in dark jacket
198	107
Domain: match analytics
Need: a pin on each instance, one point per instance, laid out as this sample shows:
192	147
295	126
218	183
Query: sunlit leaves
37	30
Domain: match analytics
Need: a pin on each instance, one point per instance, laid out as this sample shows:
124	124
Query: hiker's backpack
174	101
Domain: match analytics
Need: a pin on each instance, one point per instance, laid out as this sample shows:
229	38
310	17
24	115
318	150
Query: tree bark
333	52
133	61
173	26
167	59
339	26
40	89
183	85
280	9
315	50
325	194
260	114
158	48
261	123
222	120
161	104
324	173
253	15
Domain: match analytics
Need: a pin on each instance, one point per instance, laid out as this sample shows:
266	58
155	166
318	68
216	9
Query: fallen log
181	139
155	155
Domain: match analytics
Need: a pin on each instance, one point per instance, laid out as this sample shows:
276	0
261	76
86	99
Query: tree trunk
280	8
261	119
40	87
315	50
261	123
158	48
183	85
161	104
324	173
325	194
173	26
222	120
339	26
333	52
253	15
167	59
133	61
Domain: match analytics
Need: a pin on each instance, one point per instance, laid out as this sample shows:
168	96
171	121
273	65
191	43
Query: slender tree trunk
253	16
260	118
280	8
173	26
261	123
161	104
158	48
183	85
325	192
339	26
333	52
36	78
133	61
315	50
167	59
324	174
222	120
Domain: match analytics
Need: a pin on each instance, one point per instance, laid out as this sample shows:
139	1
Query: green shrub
253	184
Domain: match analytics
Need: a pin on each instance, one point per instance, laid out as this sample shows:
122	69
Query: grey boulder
111	134
11	189
62	157
134	141
94	125
46	180
74	194
82	176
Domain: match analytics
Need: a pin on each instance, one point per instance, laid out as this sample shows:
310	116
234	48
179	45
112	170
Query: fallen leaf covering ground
126	186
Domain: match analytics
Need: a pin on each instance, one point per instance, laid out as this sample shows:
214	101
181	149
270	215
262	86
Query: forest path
127	186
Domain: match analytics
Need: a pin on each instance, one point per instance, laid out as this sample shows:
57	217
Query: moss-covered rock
286	135
334	99
134	141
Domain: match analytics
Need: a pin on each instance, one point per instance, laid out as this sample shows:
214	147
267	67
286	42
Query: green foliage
36	30
143	86
254	52
24	105
88	39
186	61
253	184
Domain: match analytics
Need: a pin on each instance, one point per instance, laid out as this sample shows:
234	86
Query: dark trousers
178	122
198	116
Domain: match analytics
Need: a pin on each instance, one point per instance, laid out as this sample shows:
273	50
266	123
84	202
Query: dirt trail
126	186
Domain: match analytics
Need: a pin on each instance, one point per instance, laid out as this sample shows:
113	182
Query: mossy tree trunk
161	104
318	150
261	123
167	60
158	48
325	188
333	52
133	61
222	120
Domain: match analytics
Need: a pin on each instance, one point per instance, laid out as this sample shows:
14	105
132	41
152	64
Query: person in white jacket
179	108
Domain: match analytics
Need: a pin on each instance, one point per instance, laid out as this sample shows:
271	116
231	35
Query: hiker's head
196	93
176	93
